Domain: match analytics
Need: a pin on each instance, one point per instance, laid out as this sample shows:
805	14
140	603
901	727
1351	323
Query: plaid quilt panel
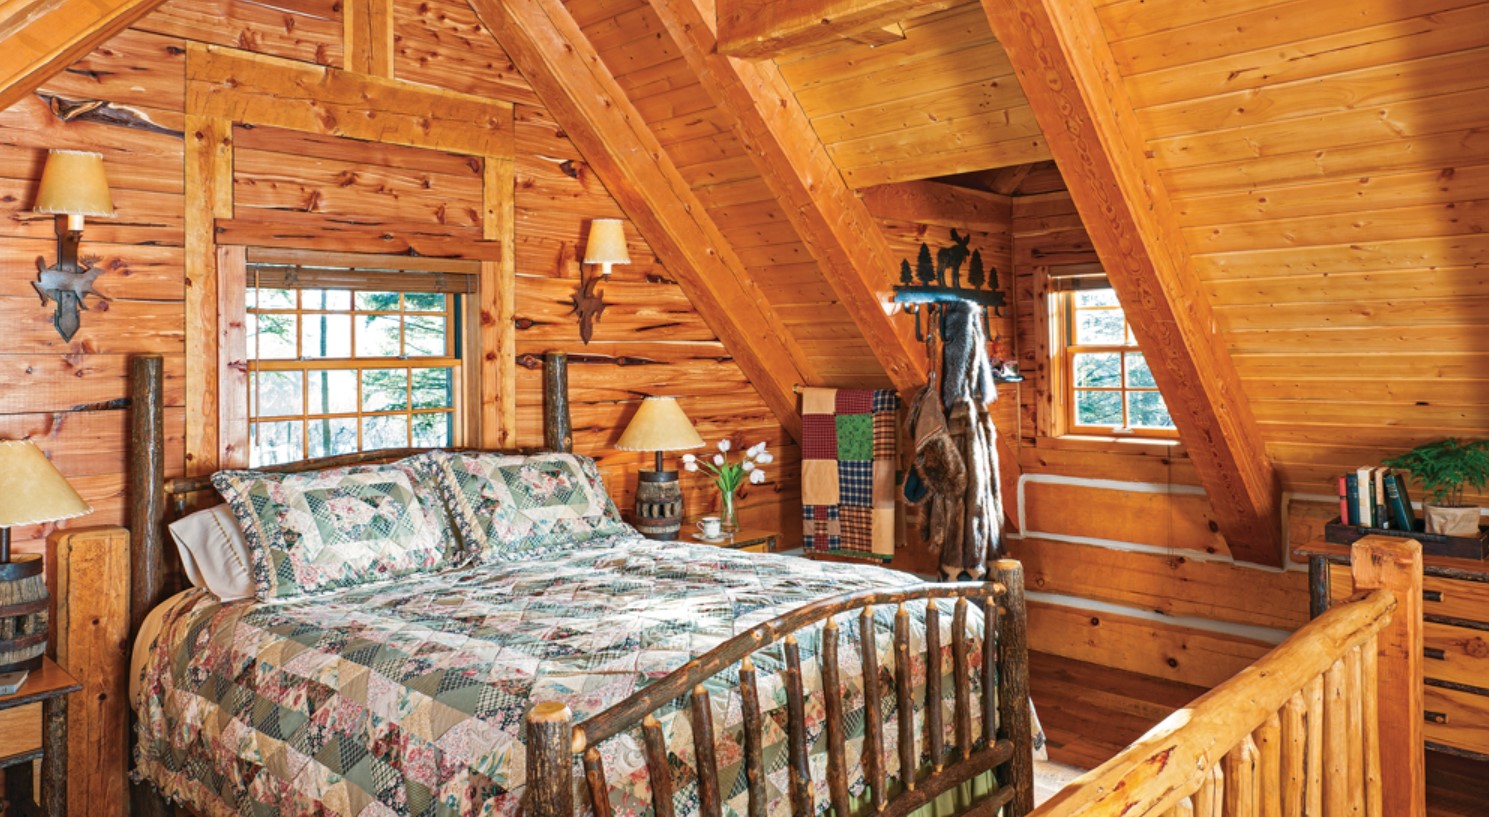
408	698
847	471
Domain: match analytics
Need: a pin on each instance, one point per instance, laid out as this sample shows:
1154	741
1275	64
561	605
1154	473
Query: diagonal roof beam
1066	68
44	36
750	28
831	221
548	46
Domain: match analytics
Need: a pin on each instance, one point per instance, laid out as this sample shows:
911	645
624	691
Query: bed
459	692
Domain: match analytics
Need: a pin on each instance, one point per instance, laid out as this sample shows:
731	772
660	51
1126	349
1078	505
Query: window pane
1096	297
377	301
1145	409
333	391
274	443
424	336
335	300
331	437
1098	370
385	431
1098	326
377	336
432	389
384	389
423	302
326	336
432	430
278	394
1098	408
271	337
1138	373
260	298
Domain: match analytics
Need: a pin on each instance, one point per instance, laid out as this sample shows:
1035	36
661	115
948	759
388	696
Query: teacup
711	527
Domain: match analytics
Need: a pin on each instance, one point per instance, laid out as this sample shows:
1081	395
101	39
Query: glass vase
727	518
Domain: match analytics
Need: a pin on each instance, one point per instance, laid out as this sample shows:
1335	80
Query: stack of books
1375	497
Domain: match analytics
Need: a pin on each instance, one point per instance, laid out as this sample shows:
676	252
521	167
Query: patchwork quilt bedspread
407	698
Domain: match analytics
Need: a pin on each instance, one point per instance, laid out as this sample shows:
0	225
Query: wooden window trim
236	368
1064	305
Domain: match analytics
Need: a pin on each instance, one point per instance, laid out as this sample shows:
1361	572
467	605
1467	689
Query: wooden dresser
1455	665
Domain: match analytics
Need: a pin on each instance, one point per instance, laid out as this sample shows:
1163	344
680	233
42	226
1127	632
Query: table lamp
31	492
659	425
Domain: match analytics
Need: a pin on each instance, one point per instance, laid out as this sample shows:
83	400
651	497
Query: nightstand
35	720
751	540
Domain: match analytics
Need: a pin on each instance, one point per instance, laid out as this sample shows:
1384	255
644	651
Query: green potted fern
1444	469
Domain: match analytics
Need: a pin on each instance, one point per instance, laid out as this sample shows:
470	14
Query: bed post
1014	721
550	760
147	487
557	432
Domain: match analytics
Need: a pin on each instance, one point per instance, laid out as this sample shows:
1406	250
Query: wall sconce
72	184
606	247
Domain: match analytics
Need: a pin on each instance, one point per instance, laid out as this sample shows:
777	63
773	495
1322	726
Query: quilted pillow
341	527
510	506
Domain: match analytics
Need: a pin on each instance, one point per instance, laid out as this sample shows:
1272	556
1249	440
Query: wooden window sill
1112	444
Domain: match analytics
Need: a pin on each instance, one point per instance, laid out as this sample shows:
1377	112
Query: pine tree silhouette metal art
928	285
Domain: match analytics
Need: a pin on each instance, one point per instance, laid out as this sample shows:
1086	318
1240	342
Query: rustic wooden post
1015	723
558	434
147	486
1395	564
550	760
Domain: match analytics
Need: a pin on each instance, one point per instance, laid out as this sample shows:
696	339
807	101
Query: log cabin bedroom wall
1324	172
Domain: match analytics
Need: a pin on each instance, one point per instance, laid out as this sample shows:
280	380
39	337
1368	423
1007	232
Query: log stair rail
1300	731
556	745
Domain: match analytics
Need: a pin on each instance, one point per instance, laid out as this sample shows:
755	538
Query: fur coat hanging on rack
955	470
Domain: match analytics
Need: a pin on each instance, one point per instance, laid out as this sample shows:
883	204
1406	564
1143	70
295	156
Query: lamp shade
31	489
607	243
74	183
659	425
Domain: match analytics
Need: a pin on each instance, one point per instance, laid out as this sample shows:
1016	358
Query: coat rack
928	285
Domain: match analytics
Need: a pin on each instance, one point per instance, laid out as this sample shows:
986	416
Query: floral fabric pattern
408	698
327	530
510	506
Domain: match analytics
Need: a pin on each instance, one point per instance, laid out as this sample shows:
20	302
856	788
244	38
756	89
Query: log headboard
155	569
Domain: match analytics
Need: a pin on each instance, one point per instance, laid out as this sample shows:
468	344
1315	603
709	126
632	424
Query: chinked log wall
181	90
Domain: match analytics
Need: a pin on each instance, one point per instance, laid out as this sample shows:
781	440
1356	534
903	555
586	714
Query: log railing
1003	744
1300	731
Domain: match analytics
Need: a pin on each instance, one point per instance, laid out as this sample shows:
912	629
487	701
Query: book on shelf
1364	500
1351	499
1403	517
1382	515
11	682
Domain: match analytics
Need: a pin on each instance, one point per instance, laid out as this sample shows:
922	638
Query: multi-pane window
1108	385
339	365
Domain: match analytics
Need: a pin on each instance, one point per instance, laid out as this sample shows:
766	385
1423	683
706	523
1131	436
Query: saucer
712	540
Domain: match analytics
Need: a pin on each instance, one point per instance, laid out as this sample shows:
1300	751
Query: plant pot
1452	520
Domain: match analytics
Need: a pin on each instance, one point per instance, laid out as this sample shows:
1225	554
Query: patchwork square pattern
328	530
848	455
508	506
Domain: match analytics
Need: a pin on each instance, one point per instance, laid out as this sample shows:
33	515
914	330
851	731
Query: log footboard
556	745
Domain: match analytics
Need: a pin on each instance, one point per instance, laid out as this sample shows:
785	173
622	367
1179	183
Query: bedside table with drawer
33	726
1455	635
751	540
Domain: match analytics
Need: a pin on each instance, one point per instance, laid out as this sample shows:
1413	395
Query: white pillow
214	552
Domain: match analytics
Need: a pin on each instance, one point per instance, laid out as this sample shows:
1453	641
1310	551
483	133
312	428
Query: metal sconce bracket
68	281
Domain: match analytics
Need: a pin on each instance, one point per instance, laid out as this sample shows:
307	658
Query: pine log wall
70	397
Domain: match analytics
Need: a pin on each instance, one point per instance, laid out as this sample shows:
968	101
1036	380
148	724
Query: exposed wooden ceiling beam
551	50
836	228
1066	68
1006	180
45	36
751	29
927	202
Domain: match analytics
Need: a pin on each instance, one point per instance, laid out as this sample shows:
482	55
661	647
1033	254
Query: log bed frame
556	745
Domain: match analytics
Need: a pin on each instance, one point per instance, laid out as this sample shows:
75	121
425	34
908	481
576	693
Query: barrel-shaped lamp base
659	505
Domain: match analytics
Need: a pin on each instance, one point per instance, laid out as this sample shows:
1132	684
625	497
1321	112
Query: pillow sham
342	527
511	506
214	552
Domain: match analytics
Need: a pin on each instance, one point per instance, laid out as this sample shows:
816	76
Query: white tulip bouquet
729	476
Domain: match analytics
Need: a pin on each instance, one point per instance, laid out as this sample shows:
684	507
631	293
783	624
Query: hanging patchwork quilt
847	471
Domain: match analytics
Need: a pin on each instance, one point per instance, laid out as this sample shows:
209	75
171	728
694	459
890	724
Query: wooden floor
1091	712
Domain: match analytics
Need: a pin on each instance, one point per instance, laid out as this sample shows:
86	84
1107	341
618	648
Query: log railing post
1395	564
550	760
1015	722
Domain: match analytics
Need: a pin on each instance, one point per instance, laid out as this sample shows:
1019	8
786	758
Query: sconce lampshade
73	183
659	425
31	489
607	243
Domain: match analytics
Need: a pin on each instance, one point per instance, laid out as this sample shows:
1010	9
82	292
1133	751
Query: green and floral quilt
407	697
